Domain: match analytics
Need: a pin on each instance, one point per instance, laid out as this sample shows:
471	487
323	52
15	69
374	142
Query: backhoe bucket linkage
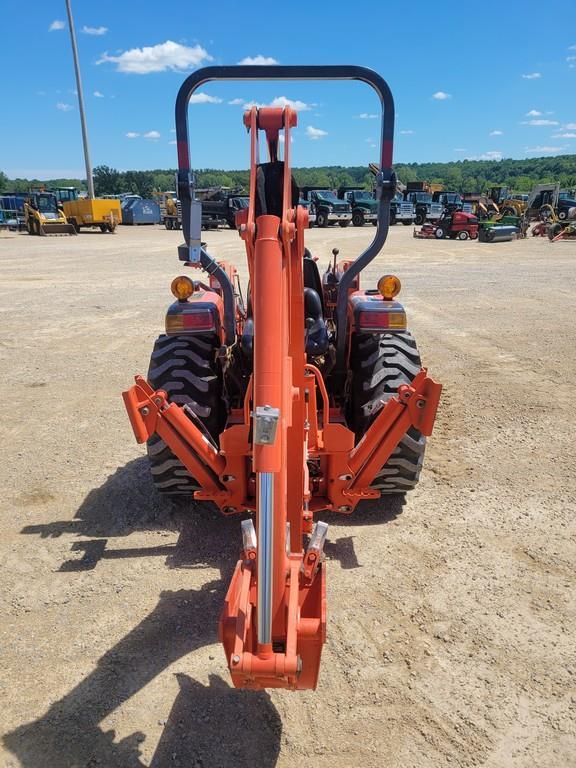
264	661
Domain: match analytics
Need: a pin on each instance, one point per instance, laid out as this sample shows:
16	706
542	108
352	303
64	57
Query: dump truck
364	206
309	396
44	216
418	193
220	205
328	208
89	213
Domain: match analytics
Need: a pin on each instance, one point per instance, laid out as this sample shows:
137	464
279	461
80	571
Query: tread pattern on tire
381	363
185	368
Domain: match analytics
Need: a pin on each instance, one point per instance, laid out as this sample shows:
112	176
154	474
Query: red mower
457	226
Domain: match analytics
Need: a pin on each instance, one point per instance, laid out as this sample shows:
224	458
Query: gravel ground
451	618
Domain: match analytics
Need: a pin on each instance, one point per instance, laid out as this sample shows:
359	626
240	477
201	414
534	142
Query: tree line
460	176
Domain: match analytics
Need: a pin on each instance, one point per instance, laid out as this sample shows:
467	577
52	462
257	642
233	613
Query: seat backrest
269	189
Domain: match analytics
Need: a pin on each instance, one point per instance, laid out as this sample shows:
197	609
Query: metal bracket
265	424
385	185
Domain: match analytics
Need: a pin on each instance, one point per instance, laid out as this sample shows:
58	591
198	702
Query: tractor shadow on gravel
208	725
213	725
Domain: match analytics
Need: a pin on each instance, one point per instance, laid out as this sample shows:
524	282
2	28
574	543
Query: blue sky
470	80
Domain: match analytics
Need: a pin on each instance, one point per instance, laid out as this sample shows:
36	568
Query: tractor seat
315	327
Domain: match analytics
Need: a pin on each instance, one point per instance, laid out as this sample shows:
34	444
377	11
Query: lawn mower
308	396
457	226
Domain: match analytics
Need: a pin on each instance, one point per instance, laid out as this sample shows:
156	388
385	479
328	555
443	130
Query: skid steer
43	216
309	396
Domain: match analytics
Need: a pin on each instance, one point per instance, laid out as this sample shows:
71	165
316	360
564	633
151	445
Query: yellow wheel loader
43	216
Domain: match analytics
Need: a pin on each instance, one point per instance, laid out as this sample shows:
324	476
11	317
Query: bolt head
235	659
145	411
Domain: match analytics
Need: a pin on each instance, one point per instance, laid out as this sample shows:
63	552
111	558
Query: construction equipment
43	216
89	213
500	202
329	209
364	206
456	226
220	205
418	193
308	397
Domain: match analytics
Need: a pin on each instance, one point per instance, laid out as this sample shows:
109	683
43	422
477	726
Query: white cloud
315	133
544	150
572	47
459	150
367	116
299	106
496	133
540	123
204	98
441	96
132	135
282	139
258	60
152	135
564	135
98	94
533	113
570	58
407	133
94	30
158	58
570	126
63	107
56	25
532	76
279	101
173	141
172	130
492	155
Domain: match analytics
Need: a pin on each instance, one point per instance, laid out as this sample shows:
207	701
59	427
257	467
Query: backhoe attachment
286	451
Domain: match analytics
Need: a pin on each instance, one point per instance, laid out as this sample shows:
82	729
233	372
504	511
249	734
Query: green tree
106	180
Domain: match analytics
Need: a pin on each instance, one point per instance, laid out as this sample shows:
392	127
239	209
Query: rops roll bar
191	212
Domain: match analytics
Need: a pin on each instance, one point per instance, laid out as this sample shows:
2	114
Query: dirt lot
451	619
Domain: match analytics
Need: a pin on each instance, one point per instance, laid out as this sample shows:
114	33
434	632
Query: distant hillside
461	176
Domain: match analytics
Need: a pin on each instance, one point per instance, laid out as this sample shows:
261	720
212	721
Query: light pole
89	180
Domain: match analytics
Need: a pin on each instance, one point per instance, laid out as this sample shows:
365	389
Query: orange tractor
308	397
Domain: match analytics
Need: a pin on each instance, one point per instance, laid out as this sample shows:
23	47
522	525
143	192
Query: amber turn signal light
389	286
182	287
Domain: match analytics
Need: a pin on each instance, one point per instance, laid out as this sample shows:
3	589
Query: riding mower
456	225
309	396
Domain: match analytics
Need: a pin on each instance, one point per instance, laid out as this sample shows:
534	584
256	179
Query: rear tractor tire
381	363
185	367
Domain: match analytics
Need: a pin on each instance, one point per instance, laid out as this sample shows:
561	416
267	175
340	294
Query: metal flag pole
89	179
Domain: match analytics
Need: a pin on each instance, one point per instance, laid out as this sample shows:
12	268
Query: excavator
308	396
